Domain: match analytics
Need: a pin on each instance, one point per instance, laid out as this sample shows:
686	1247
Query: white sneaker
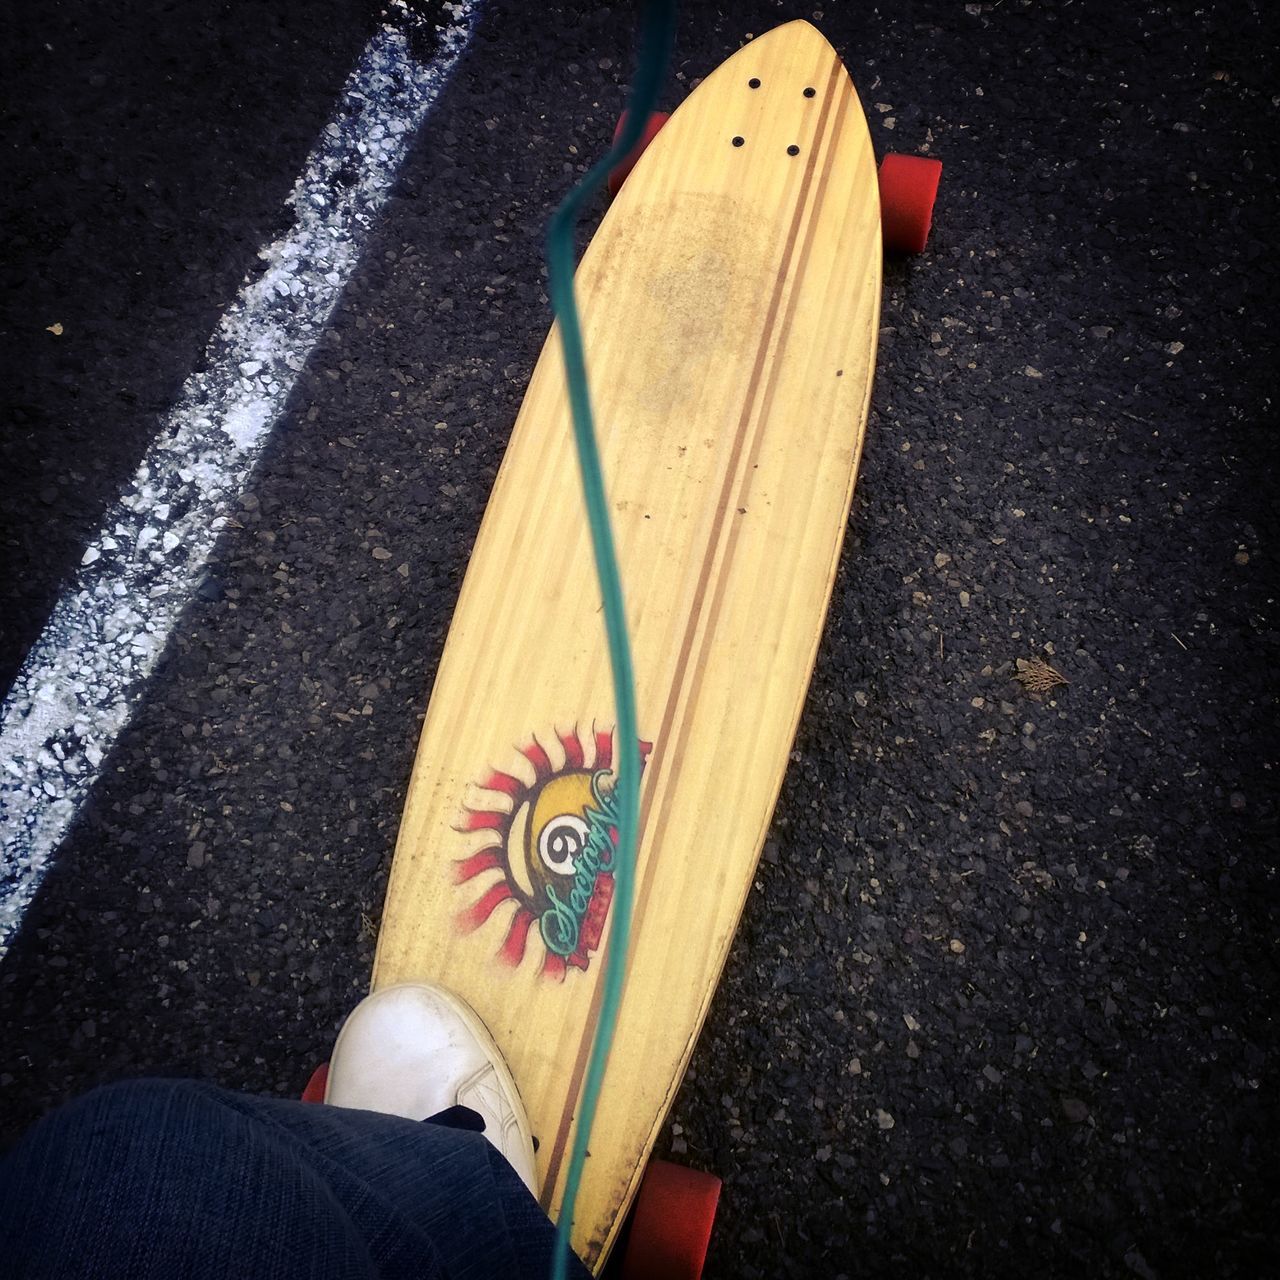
415	1050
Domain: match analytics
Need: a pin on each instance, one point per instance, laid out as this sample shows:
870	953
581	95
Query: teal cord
655	46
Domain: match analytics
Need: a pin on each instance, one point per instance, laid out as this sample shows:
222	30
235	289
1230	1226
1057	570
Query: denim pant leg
172	1178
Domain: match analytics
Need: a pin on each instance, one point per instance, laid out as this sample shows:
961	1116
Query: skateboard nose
779	103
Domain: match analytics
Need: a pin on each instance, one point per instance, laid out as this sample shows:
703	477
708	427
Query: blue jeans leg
174	1178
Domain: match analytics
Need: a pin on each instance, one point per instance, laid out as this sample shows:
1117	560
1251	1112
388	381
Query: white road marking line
78	686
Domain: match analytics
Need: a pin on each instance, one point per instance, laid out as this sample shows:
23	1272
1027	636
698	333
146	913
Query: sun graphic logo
550	833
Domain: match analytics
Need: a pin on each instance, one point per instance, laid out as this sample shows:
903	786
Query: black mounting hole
809	93
753	83
793	150
737	142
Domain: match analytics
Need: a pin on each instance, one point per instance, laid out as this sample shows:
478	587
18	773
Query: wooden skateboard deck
730	302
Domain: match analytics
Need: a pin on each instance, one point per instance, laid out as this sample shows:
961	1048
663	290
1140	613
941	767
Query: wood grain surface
730	302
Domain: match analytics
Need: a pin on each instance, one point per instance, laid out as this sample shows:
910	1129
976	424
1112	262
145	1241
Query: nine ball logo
553	849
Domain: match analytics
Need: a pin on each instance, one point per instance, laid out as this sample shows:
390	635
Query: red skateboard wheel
670	1223
908	188
314	1092
624	167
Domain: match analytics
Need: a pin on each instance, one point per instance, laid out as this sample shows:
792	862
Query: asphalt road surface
999	1004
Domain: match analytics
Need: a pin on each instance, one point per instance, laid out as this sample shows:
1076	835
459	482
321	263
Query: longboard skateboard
730	301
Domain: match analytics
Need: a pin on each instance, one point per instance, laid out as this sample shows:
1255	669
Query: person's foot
416	1050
